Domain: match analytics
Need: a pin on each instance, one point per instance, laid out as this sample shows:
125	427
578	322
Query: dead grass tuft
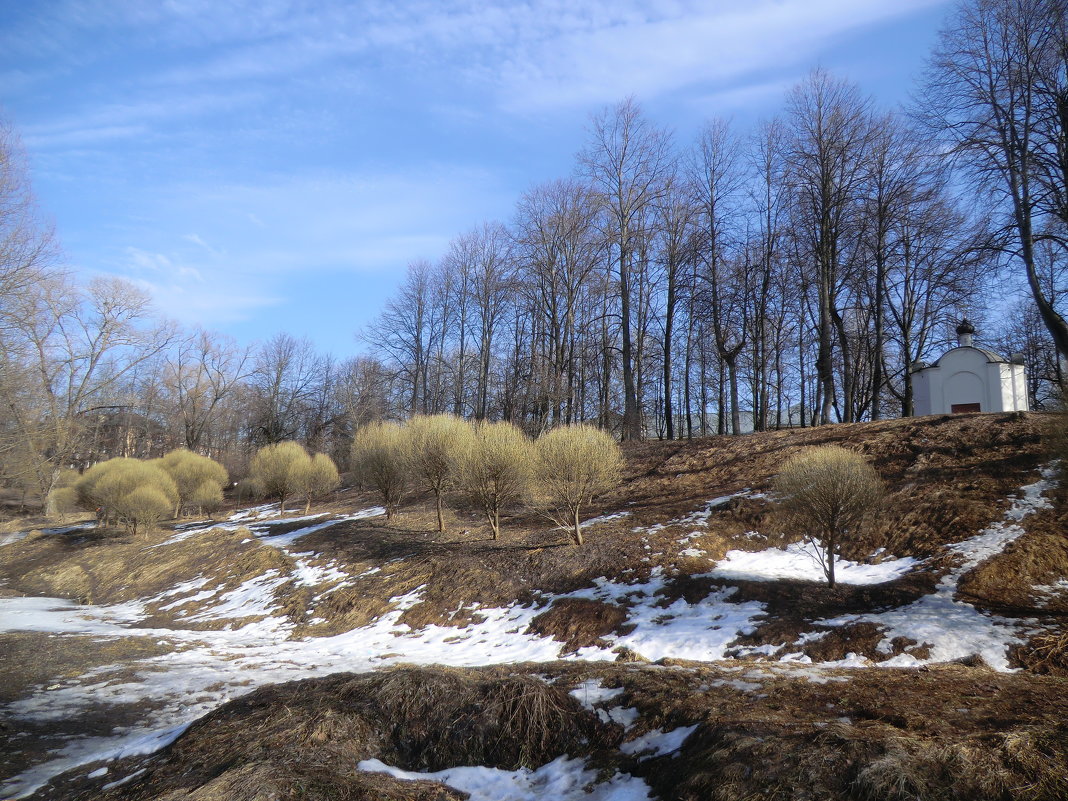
1045	654
439	718
579	622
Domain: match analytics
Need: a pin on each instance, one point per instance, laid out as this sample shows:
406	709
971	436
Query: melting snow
952	628
798	561
658	742
605	518
212	667
563	779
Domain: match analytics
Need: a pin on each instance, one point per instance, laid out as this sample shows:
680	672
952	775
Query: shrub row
138	493
488	466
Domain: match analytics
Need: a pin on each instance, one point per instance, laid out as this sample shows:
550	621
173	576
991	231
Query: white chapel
969	379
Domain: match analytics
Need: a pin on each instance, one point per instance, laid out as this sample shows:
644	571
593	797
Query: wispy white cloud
141	261
132	119
188	302
294	230
197	240
679	46
531	56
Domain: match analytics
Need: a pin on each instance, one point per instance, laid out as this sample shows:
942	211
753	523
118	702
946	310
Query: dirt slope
938	732
771	733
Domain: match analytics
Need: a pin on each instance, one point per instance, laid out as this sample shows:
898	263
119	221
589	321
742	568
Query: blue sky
265	166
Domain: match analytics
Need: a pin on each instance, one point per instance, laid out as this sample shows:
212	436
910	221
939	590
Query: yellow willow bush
381	459
127	491
278	470
498	470
573	465
193	474
317	479
826	494
438	447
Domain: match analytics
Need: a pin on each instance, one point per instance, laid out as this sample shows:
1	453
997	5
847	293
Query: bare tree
491	282
716	179
997	90
768	194
896	175
284	378
830	133
626	159
28	251
677	230
80	346
559	252
402	332
202	371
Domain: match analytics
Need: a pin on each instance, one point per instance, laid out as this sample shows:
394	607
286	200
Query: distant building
969	379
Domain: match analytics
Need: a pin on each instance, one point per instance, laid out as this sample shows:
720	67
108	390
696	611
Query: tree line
790	275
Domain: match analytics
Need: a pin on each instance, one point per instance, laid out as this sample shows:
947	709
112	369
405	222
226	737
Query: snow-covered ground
798	561
953	628
563	779
207	668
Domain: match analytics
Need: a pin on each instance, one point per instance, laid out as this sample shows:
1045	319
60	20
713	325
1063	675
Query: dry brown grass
579	622
938	735
1003	583
316	731
1045	653
103	566
947	479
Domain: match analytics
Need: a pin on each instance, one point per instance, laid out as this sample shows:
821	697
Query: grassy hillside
686	565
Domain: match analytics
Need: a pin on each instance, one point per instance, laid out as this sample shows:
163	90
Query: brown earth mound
773	733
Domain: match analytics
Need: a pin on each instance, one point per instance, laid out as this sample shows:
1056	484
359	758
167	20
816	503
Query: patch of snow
94	749
606	518
798	561
13	537
658	742
737	684
253	598
692	552
699	631
309	575
263	519
183	588
16	536
699	517
954	629
563	779
124	780
60	616
203	595
1050	591
625	716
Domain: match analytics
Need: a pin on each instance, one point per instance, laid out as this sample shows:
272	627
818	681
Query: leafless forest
673	285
